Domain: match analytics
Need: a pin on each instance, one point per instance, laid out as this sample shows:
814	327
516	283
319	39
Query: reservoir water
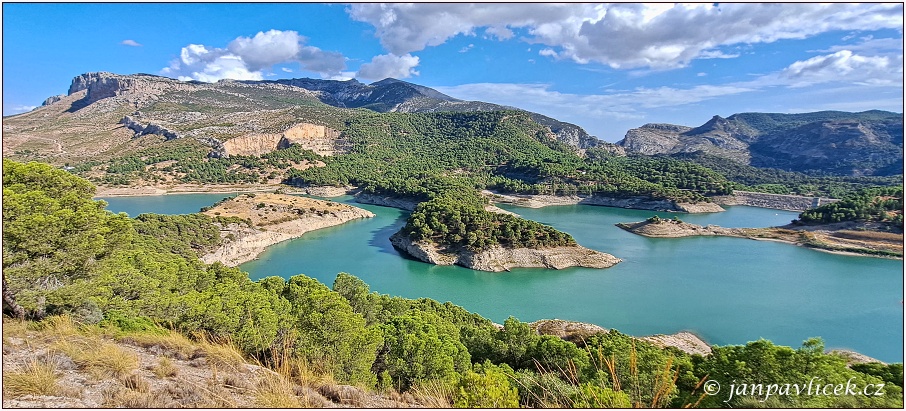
727	290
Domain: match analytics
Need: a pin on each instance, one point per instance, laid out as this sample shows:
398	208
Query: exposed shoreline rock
387	201
685	341
576	332
848	238
638	203
244	243
666	228
497	258
773	201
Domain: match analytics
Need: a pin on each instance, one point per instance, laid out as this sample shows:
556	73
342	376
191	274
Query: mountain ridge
144	91
833	142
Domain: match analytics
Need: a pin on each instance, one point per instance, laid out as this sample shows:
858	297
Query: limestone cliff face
251	145
317	138
138	87
322	140
496	259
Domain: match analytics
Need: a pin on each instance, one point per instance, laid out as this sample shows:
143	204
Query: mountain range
102	115
834	142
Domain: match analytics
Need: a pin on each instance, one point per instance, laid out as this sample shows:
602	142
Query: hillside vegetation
65	255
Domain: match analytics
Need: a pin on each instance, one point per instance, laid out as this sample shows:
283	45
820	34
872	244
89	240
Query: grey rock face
151	128
53	99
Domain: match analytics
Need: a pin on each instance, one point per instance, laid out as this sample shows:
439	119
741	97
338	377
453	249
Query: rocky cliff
497	258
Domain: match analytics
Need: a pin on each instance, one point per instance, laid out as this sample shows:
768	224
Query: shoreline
636	203
242	244
664	228
149	191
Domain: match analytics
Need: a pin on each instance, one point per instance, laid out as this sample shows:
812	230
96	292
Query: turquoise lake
726	290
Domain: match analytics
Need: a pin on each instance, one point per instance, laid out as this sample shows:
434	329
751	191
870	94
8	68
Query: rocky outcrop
151	128
320	139
497	258
327	191
402	203
53	99
578	332
639	203
684	341
652	139
775	201
572	331
251	145
136	88
660	227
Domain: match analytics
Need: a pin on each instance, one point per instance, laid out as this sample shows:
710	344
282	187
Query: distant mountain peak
866	143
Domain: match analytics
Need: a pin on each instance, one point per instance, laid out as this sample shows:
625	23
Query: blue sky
605	67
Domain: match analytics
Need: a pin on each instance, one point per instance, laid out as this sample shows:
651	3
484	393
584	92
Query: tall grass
100	358
34	378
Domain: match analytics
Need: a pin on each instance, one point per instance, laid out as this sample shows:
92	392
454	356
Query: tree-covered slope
64	254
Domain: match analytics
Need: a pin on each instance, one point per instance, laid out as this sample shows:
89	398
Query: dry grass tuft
34	378
100	358
186	394
13	328
59	326
136	382
164	368
433	394
274	391
172	344
222	354
120	397
344	394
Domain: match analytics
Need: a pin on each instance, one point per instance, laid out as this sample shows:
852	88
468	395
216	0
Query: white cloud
389	65
131	43
246	58
286	70
844	80
466	48
871	45
622	35
267	48
9	110
844	66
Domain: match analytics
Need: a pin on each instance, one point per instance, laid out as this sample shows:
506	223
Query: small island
456	227
498	258
249	223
